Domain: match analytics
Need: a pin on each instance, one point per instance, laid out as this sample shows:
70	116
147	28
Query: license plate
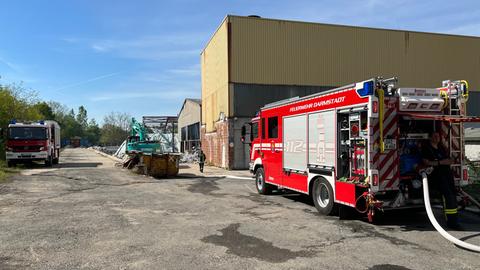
390	144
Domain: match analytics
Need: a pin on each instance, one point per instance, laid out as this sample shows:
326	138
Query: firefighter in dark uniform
441	178
201	160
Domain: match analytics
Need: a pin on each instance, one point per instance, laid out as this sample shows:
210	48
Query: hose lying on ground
445	234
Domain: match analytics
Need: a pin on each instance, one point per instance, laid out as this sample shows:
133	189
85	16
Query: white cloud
100	48
70	39
97	78
472	29
193	70
10	65
151	47
164	95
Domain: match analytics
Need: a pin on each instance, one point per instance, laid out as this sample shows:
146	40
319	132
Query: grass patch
5	172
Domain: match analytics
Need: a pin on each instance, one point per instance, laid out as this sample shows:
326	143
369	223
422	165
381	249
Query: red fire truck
29	141
357	145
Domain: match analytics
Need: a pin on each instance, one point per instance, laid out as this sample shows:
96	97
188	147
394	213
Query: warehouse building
251	61
189	119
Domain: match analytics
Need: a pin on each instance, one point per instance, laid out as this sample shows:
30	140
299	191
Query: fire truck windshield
27	133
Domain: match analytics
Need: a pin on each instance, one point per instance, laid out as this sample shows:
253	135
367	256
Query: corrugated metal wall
190	114
247	100
214	65
265	51
473	105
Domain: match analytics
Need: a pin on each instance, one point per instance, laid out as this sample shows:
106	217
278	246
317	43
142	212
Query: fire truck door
273	153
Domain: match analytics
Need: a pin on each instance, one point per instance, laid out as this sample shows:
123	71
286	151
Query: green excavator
138	141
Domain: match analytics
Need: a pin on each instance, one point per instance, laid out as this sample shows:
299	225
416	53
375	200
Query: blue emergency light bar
13	121
367	89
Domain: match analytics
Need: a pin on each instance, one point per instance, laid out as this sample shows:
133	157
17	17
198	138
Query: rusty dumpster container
159	165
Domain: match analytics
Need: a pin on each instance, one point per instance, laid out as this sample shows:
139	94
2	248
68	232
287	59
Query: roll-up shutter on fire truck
321	138
295	143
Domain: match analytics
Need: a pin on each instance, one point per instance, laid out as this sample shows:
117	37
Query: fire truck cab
357	145
33	141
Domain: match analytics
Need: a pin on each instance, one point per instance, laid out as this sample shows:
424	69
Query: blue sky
143	57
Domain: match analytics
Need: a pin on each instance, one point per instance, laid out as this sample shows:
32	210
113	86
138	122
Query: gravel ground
87	214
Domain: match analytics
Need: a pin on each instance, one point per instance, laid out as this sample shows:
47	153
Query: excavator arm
137	130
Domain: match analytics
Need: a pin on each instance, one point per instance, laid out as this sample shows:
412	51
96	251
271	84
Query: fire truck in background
358	145
33	141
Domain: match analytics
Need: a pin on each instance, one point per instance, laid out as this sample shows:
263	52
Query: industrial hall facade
251	61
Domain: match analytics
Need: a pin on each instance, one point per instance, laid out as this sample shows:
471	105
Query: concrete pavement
193	170
88	214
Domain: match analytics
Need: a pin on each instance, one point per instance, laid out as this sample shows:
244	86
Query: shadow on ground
407	219
38	165
80	165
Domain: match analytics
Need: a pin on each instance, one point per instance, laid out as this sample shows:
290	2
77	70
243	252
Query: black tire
10	164
323	197
55	160
262	187
48	161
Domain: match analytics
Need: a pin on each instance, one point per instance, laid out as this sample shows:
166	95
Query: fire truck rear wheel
262	187
322	194
10	164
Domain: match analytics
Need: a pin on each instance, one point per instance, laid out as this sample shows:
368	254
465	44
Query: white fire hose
445	234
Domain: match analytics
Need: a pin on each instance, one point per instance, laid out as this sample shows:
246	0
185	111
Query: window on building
194	132
273	127
255	130
263	128
184	133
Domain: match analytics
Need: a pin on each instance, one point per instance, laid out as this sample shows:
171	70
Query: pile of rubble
189	157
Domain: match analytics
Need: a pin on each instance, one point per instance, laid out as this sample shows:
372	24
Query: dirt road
87	214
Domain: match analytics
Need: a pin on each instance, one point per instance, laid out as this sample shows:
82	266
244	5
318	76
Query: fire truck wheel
10	164
48	161
322	194
55	160
262	186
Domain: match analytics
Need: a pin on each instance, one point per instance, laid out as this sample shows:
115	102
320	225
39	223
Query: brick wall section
216	145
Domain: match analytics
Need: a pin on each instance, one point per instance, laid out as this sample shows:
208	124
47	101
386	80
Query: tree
45	110
119	119
115	128
112	135
93	132
59	110
70	127
82	118
16	102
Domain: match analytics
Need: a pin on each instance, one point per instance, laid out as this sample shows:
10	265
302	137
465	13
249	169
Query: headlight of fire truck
8	148
43	148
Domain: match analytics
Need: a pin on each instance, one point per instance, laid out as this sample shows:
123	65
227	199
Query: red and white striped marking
386	163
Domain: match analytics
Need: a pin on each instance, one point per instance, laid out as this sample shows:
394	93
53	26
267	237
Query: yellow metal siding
267	51
190	114
214	66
